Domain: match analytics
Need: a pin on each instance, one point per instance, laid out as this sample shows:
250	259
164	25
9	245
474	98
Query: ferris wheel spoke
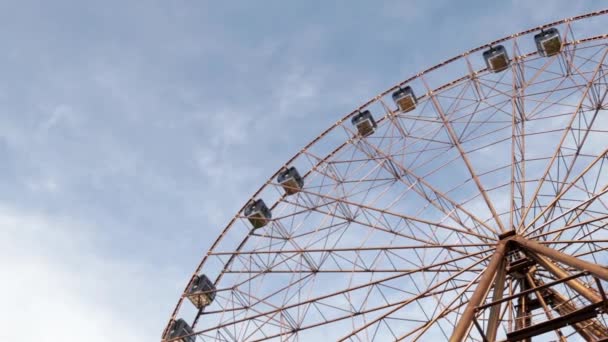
593	245
592	252
456	304
400	233
589	249
547	97
294	285
564	188
363	312
346	270
518	140
416	234
575	213
328	297
585	61
572	217
571	225
585	208
330	200
409	301
456	141
362	248
343	261
404	217
371	151
561	144
520	115
562	192
427	192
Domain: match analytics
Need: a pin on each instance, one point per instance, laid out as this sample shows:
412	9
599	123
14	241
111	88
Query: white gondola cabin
548	42
179	329
496	58
290	180
365	123
258	213
201	292
405	99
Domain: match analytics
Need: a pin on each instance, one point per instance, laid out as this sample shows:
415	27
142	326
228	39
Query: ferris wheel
468	202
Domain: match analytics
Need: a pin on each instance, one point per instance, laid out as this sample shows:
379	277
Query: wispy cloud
130	134
63	287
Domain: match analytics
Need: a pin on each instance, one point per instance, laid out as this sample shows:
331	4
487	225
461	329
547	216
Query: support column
499	287
569	260
481	292
523	311
563	306
560	273
546	308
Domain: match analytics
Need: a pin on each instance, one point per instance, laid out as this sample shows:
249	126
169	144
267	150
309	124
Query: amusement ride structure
466	203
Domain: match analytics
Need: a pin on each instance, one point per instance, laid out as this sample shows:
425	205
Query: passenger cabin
548	42
405	99
364	122
258	213
290	180
202	292
179	329
496	58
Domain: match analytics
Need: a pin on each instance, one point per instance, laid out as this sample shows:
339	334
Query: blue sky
131	132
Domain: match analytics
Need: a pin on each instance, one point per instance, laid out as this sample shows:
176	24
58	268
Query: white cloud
159	117
57	287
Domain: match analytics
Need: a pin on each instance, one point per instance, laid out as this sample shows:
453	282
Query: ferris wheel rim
376	99
406	81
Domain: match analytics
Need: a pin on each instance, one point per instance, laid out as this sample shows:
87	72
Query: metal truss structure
478	215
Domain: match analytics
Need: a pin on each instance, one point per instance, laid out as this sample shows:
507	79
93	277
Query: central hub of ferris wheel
506	235
520	259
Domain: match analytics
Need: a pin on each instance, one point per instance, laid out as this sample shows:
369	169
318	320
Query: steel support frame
465	322
495	273
569	260
499	286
